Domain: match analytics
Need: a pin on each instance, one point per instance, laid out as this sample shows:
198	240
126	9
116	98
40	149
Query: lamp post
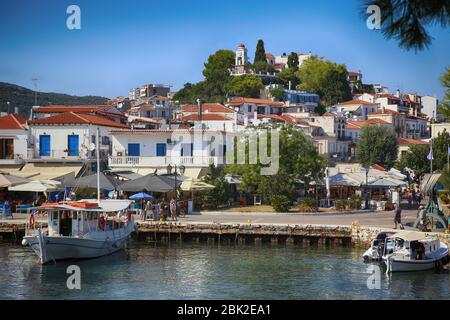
366	194
176	169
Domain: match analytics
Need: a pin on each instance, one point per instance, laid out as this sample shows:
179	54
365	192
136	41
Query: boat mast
98	164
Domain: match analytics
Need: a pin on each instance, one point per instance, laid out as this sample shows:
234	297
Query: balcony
134	161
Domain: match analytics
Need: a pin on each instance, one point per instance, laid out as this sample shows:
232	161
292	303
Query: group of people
414	196
160	211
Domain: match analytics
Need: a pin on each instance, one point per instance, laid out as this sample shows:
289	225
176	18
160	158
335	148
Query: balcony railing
195	161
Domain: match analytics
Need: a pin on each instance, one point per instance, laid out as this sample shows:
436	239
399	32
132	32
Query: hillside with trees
23	98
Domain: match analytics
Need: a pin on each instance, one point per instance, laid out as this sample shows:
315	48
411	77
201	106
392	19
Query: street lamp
366	193
181	169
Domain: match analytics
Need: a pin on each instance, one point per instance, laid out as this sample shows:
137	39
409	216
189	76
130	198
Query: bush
340	204
280	203
355	202
308	205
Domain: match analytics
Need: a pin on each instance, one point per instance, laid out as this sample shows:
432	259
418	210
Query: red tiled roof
208	107
386	111
239	101
362	123
157	97
407	142
353	73
12	122
75	118
206	117
75	108
272	116
351	102
269	55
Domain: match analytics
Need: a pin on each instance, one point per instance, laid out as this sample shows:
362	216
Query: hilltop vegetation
23	98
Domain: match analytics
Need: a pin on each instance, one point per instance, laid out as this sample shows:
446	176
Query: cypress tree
260	54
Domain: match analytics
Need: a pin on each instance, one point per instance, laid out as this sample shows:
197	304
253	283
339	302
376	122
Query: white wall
59	137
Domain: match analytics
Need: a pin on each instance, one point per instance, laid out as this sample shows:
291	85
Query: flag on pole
430	155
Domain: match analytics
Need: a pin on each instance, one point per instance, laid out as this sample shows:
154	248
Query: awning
61	173
189	173
38	186
195	185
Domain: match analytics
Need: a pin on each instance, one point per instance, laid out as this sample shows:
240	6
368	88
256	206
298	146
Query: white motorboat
413	251
375	252
80	229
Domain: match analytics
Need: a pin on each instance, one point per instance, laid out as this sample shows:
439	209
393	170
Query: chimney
397	94
16	110
200	109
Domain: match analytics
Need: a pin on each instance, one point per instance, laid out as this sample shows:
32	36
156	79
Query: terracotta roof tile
208	107
12	122
351	102
75	118
406	141
239	101
207	117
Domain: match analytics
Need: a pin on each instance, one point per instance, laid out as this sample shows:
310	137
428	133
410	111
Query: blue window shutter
72	145
44	145
160	149
134	149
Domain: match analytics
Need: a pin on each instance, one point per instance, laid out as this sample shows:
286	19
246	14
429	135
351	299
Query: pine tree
293	60
260	54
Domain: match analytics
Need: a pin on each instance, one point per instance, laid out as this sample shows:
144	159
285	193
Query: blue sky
123	44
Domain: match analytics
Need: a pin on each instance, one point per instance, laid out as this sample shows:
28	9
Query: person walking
173	209
398	217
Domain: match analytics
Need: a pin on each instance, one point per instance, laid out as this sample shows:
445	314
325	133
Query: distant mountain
23	98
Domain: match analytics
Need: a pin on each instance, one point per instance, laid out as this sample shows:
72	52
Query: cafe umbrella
150	183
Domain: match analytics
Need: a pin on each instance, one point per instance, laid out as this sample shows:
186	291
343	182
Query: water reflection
201	271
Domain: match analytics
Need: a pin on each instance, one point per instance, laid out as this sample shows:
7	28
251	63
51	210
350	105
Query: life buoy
101	223
31	220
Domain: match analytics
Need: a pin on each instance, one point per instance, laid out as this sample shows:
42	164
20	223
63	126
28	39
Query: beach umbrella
106	182
7	180
140	196
150	183
38	186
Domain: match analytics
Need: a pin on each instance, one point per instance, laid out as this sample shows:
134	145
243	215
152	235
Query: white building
144	151
355	109
13	141
430	107
283	59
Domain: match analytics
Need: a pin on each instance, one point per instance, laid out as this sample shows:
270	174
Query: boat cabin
413	246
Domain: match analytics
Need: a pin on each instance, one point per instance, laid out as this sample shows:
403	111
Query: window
160	149
105	140
44	145
72	145
134	149
249	108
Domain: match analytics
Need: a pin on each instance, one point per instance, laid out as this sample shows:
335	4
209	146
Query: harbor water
201	271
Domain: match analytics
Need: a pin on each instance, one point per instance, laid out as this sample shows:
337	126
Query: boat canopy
411	236
110	205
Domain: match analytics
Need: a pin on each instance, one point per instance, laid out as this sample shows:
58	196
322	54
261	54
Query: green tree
407	20
292	61
262	66
220	195
326	78
217	72
440	147
377	145
416	159
320	109
245	86
445	82
260	53
298	160
289	74
191	92
278	94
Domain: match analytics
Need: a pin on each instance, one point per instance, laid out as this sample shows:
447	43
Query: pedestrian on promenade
398	217
173	209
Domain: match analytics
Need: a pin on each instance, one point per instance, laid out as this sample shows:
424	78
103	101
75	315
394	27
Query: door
44	145
72	145
160	149
134	150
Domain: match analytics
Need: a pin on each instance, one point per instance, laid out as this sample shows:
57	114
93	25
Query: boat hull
407	266
51	248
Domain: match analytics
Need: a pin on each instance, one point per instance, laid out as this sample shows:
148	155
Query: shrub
340	204
355	202
308	205
280	203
